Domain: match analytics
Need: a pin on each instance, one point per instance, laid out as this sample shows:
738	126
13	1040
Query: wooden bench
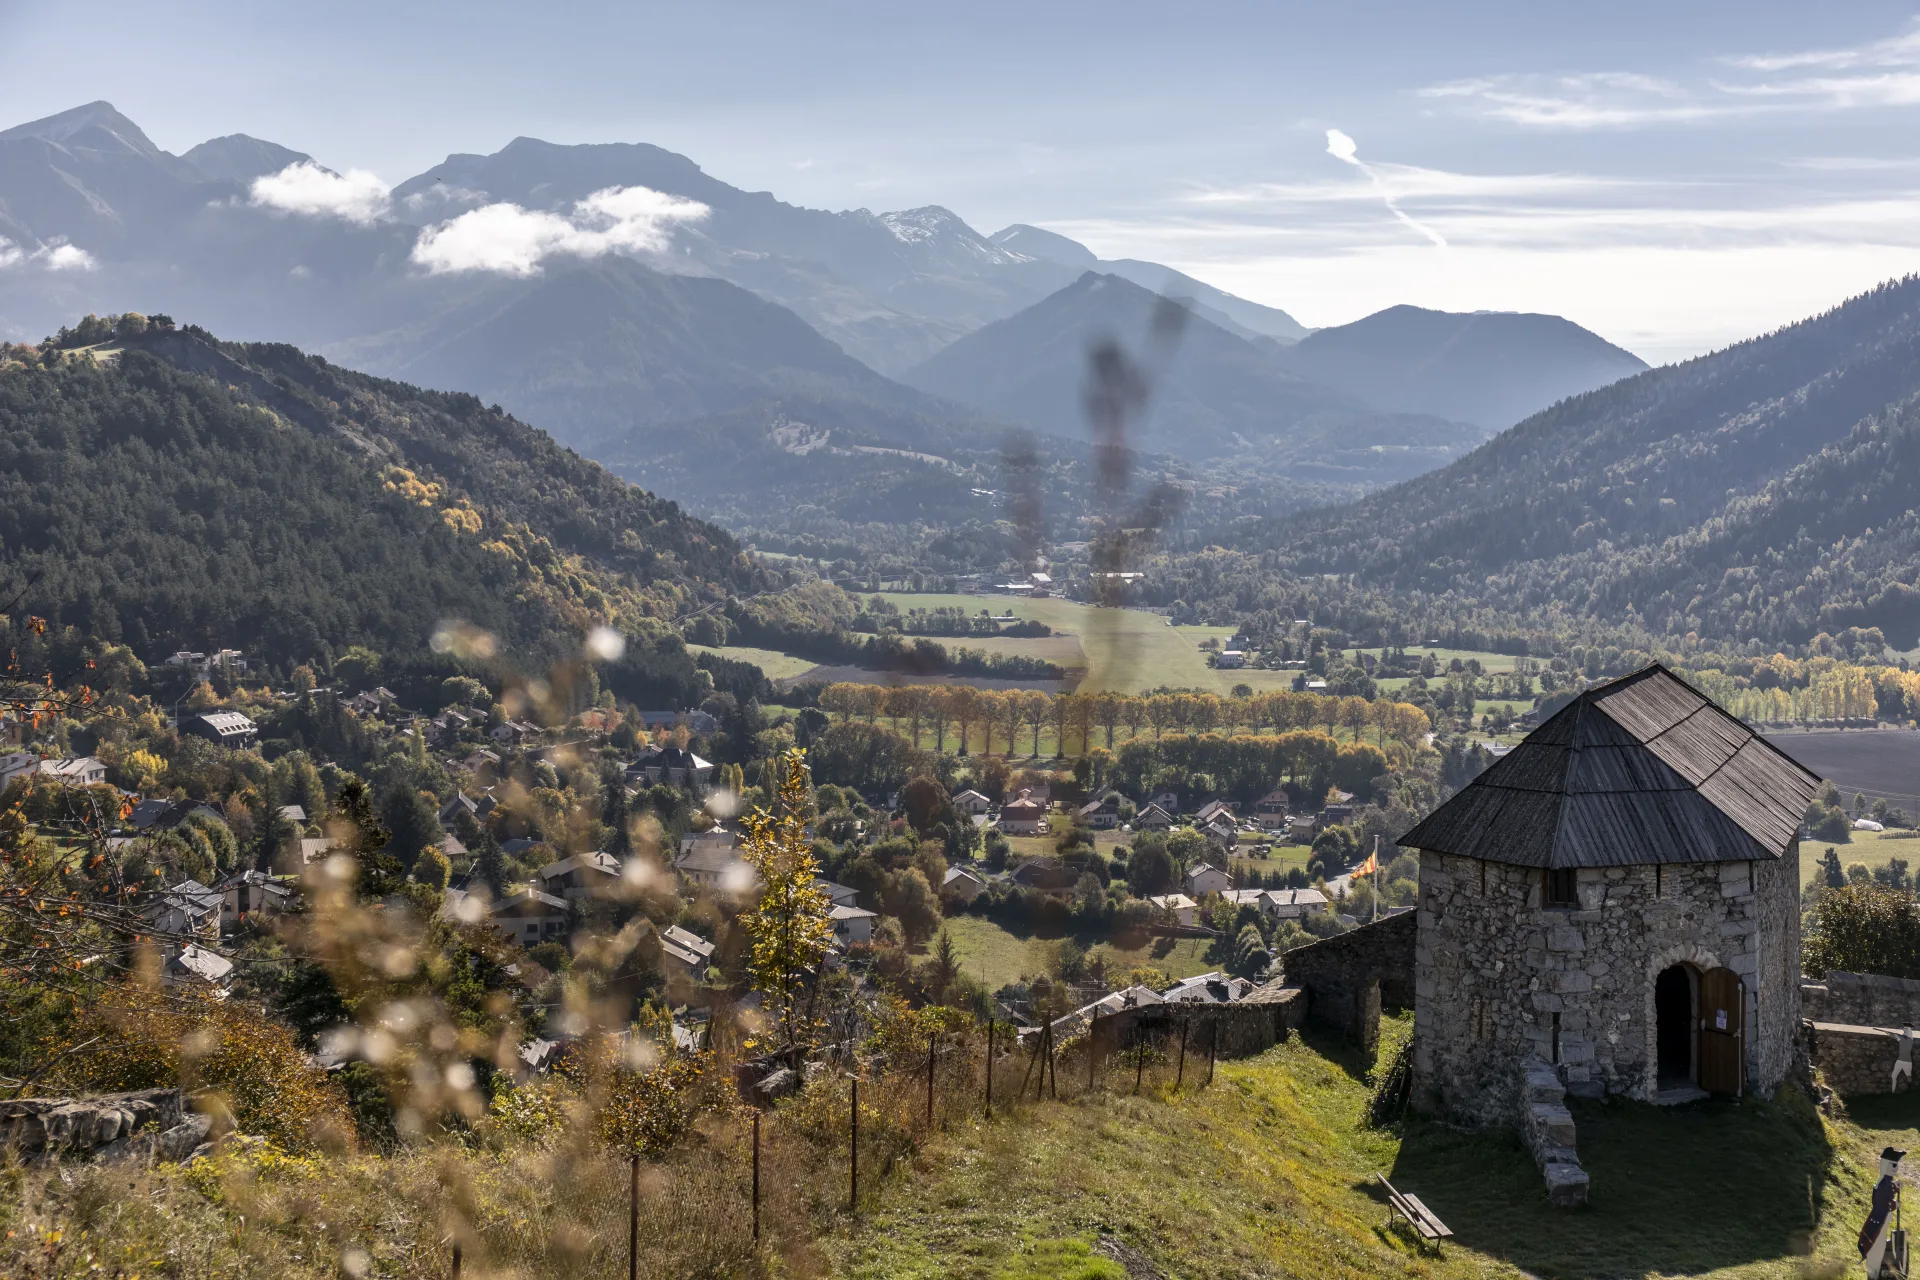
1423	1220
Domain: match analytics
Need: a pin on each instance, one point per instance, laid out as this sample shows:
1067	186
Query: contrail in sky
1342	147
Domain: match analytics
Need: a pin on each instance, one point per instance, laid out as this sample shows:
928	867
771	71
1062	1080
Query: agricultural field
997	956
776	665
1873	849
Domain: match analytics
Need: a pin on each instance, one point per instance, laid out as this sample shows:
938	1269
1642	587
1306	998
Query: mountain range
626	301
1764	492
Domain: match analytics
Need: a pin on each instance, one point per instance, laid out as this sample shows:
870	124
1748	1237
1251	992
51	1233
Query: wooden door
1722	1042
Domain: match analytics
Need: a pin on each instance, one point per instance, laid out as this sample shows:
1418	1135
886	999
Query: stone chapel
1619	898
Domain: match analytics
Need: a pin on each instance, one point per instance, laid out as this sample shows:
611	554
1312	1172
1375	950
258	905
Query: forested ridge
1759	492
167	490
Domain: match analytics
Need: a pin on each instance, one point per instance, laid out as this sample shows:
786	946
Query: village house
1169	801
1303	828
1153	818
1204	879
1617	900
1102	814
187	909
1179	904
171	813
972	803
1023	817
1044	875
962	884
580	876
16	764
513	733
482	764
250	893
1270	810
839	895
710	860
852	925
691	952
529	916
1207	988
228	728
671	765
1230	659
195	966
1279	904
77	771
477	809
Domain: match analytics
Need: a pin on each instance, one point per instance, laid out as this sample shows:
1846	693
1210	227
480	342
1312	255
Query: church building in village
1618	898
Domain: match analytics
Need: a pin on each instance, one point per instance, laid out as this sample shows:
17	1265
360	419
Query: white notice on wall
1719	1019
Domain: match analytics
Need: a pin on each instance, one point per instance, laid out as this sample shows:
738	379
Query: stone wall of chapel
1501	978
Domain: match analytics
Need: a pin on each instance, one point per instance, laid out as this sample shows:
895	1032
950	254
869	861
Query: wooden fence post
756	1177
989	1068
1139	1059
1213	1045
1093	1025
1181	1074
930	1044
853	1151
456	1260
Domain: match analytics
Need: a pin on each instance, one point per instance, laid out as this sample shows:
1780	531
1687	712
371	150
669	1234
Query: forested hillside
1759	492
165	489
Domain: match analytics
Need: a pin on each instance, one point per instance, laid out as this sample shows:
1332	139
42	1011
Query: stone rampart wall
1861	999
1857	1060
1349	977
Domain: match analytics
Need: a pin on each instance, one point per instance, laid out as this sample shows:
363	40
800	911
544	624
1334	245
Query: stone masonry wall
1501	979
1348	977
1856	1060
1862	999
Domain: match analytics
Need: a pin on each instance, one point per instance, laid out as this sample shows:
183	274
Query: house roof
1195	872
1172	901
971	797
224	722
686	940
1639	770
956	873
1023	809
605	863
852	913
710	856
202	964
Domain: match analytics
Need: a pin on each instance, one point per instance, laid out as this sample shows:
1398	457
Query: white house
188	908
852	925
196	966
1230	660
971	803
17	764
1167	800
962	883
840	895
1204	879
249	893
1271	809
710	860
1279	904
78	771
1102	814
1179	904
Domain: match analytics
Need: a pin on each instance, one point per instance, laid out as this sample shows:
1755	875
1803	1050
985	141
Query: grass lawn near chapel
1270	1173
996	956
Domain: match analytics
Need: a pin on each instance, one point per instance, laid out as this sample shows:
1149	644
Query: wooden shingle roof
1639	770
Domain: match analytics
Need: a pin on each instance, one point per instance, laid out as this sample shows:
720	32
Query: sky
1673	176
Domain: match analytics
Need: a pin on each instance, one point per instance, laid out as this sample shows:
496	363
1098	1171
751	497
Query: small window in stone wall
1563	888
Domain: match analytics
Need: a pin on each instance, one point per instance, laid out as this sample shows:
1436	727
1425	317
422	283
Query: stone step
1547	1155
1542	1085
1550	1124
1567	1185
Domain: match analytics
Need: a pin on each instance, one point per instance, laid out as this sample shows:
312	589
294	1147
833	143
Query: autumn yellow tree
790	926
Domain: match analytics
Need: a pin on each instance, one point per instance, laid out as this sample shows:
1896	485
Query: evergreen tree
362	838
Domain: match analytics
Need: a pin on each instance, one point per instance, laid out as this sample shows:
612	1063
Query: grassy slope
776	665
1267	1174
1873	848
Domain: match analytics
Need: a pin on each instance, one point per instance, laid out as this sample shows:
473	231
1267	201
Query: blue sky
1674	176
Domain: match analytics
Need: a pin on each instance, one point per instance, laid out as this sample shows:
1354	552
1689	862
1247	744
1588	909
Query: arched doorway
1676	1017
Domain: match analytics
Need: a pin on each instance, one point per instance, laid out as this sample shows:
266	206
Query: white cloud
305	188
10	252
1900	50
1591	100
508	239
66	257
